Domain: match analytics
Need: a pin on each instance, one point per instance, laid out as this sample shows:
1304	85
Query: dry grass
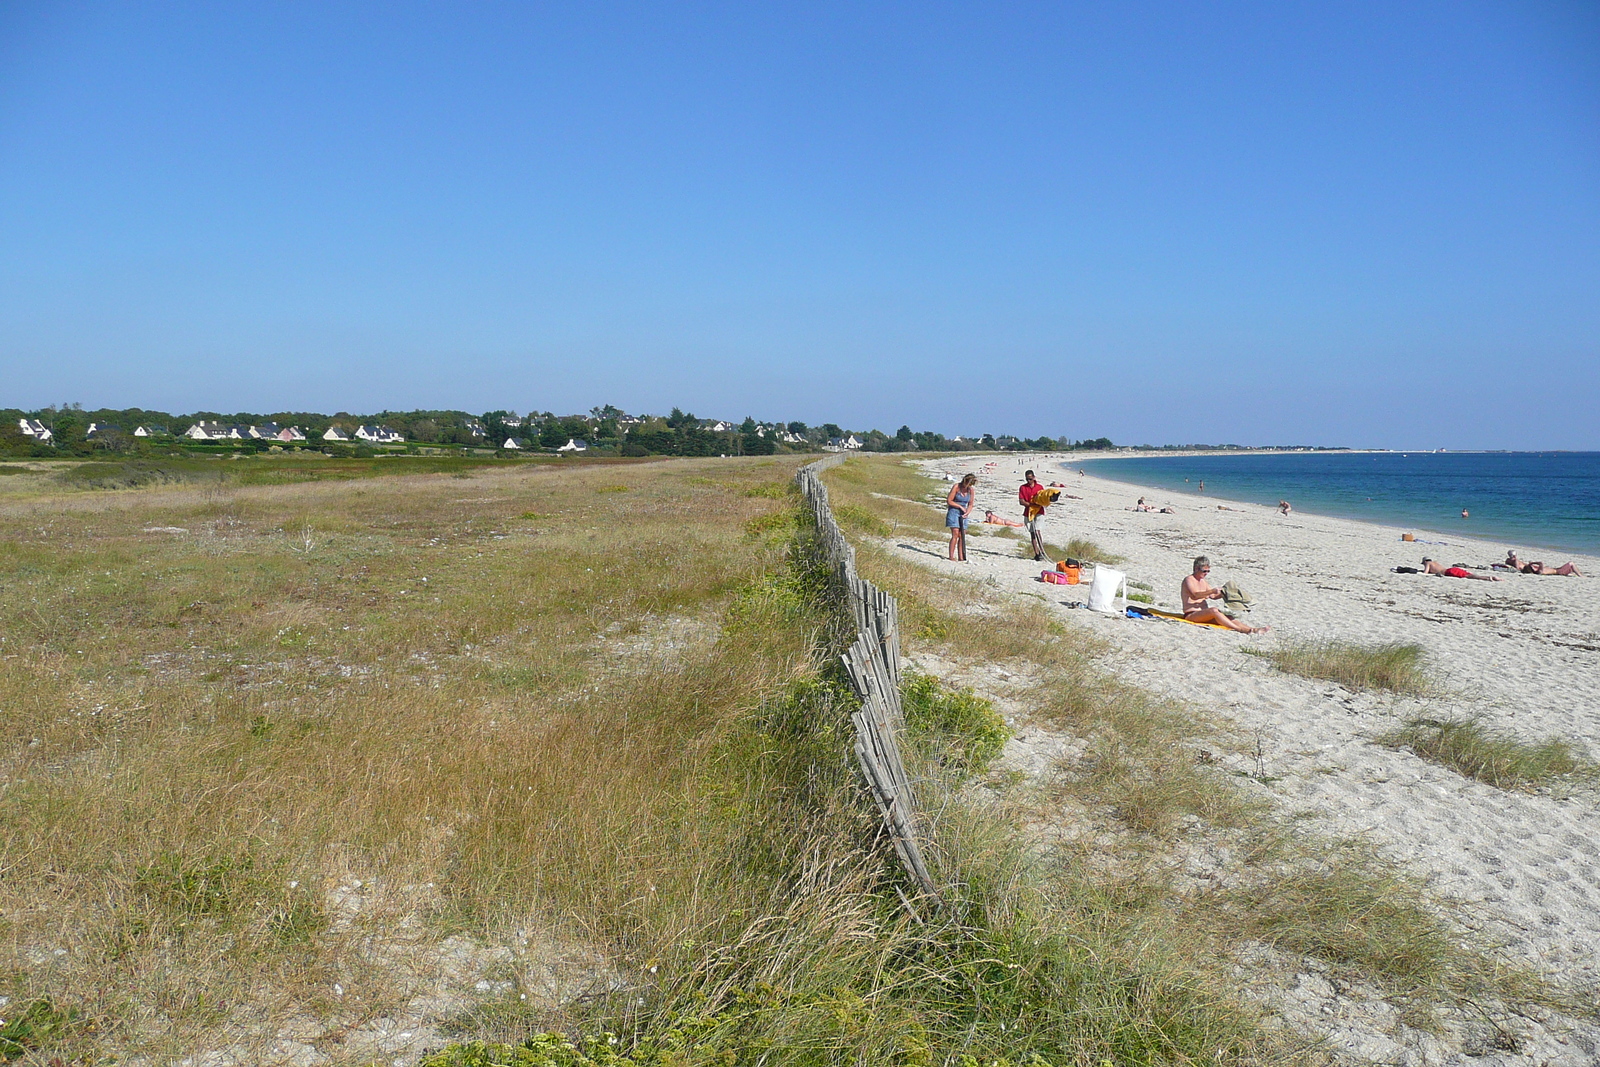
1502	760
1399	668
255	771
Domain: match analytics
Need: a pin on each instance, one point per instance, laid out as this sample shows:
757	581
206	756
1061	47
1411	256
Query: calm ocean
1525	499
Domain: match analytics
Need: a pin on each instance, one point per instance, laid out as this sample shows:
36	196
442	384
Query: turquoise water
1524	499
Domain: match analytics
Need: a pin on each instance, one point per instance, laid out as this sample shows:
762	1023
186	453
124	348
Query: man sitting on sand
1434	567
1197	590
1539	568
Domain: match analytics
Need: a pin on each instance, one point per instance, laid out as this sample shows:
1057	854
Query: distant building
149	430
214	431
380	435
842	444
333	433
265	431
574	445
100	428
35	429
291	433
515	443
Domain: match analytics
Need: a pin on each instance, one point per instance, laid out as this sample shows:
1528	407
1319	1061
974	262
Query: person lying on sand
1433	567
992	519
1516	564
1194	593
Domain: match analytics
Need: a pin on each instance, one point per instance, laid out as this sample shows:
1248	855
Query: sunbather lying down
1434	567
1513	563
992	519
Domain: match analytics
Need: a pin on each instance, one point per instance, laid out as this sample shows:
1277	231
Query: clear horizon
1355	224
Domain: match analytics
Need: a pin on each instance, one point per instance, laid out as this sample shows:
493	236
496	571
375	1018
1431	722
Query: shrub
965	727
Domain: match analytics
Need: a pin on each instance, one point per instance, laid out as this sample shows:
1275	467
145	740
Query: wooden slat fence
873	664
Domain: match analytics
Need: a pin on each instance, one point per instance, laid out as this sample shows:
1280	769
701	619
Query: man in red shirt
1031	512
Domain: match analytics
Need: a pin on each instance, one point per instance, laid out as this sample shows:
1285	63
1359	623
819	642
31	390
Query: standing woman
958	504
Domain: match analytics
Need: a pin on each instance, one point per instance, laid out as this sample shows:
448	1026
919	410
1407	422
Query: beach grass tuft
1494	757
1396	667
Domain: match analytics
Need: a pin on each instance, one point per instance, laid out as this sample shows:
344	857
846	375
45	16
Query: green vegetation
963	728
1078	548
1399	668
1502	760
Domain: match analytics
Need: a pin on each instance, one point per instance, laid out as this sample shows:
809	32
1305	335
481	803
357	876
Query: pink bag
1053	577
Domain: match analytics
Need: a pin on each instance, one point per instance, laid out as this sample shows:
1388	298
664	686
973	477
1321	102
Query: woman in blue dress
958	504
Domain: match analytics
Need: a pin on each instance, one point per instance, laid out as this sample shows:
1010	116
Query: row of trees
678	433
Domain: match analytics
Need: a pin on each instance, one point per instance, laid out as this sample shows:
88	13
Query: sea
1524	499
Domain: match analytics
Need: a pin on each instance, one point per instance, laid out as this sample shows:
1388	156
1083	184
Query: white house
149	430
263	432
380	435
335	434
842	444
791	438
717	426
515	443
574	445
35	429
213	431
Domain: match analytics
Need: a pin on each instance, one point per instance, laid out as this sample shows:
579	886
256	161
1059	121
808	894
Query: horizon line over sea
1526	499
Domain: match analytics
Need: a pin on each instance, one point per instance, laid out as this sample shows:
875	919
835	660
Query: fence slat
872	663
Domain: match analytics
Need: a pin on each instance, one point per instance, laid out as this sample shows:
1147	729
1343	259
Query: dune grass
1502	760
1396	667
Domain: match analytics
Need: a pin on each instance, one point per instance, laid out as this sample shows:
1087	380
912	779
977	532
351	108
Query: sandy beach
1523	653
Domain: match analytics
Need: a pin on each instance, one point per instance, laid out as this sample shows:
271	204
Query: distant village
604	430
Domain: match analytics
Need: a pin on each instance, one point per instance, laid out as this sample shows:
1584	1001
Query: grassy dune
562	749
500	701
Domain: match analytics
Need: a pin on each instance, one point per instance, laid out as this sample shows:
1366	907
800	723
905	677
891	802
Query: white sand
1524	653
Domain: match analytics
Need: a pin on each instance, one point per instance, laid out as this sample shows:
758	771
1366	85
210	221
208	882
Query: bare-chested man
1197	590
1433	566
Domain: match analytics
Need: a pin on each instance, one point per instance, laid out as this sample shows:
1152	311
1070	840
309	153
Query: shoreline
1523	654
1543	540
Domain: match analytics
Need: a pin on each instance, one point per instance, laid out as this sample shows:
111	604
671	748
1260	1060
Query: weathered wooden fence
873	664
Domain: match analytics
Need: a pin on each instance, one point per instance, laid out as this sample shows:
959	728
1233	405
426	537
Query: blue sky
1365	224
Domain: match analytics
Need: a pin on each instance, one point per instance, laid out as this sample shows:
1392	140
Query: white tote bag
1107	585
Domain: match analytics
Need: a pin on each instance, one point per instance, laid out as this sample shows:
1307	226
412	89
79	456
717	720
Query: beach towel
1108	585
1175	617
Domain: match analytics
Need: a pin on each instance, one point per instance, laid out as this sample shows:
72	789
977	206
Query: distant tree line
606	429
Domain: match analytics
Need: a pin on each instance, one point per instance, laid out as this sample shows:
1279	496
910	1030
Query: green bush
963	725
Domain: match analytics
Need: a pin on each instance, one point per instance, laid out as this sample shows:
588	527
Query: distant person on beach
1197	589
1202	485
1142	506
1031	512
958	505
1516	564
1434	567
1284	508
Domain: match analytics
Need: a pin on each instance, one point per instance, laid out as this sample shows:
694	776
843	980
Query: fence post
873	665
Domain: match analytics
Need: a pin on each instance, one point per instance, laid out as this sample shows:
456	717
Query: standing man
1031	512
